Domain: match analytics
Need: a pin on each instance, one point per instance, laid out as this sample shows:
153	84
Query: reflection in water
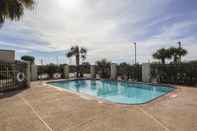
79	84
108	88
93	85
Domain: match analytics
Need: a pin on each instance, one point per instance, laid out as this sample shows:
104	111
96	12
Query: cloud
106	28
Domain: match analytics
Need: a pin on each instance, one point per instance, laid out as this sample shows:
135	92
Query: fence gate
12	75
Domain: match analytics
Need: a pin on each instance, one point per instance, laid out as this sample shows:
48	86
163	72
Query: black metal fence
185	74
12	75
50	71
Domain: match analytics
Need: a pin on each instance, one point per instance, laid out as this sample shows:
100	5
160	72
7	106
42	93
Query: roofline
7	50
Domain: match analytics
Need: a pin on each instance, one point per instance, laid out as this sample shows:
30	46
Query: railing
52	71
12	75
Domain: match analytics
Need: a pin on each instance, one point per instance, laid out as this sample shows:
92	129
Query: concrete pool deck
42	108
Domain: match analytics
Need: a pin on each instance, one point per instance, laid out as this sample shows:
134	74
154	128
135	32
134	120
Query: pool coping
104	101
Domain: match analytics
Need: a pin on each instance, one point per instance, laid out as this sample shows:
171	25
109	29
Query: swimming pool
115	91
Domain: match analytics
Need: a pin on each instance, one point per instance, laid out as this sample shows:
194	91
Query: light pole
135	53
179	43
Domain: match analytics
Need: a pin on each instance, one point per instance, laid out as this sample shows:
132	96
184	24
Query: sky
107	28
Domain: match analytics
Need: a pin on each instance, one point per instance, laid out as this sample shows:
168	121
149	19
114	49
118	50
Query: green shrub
131	71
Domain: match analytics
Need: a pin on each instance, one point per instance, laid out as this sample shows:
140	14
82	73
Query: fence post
92	71
113	71
28	74
66	71
146	72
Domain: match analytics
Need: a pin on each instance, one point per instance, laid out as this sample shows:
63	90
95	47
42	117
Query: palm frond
13	9
74	50
27	3
69	54
83	53
83	50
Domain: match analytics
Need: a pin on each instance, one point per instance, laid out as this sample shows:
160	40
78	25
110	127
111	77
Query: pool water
115	91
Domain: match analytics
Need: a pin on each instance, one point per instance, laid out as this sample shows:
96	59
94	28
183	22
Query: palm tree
103	68
78	53
162	54
13	9
177	53
173	53
181	52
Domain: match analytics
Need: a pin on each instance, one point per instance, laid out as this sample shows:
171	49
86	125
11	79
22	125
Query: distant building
7	55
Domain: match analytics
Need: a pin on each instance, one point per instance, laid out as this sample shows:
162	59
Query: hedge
131	71
185	74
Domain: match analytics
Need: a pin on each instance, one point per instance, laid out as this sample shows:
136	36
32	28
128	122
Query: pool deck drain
46	109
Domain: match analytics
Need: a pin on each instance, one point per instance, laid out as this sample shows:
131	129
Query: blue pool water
114	91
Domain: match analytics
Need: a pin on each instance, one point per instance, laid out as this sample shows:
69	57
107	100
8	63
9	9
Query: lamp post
179	44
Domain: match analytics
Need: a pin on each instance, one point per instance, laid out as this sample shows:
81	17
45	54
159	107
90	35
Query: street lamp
179	43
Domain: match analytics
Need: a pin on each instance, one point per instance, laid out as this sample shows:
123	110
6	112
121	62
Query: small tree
162	54
30	59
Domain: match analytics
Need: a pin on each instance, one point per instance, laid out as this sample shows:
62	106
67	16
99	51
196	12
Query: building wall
7	55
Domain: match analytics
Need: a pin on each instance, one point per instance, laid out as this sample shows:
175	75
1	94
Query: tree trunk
163	61
175	59
179	59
